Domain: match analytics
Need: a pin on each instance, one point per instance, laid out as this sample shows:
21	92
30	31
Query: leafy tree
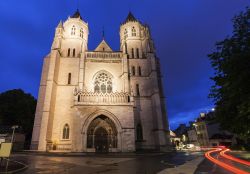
231	92
18	108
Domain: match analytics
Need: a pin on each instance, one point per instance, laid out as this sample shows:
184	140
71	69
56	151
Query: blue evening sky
184	32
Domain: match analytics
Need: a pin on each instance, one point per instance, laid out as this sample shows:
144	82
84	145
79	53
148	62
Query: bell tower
135	39
71	37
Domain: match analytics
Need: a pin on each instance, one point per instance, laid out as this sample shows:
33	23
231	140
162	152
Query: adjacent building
209	132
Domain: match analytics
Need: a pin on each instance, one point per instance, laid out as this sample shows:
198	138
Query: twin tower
101	100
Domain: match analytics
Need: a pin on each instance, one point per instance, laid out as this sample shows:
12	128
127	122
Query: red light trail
222	164
222	153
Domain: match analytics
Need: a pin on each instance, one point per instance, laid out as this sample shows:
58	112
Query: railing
58	147
115	98
103	55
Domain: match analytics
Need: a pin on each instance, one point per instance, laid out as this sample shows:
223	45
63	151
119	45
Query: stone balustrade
103	55
113	98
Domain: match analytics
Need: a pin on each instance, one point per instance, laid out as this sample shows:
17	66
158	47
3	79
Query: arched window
125	33
139	132
132	52
81	33
133	71
137	53
103	83
73	30
139	70
126	48
74	52
137	90
133	31
69	78
65	131
69	52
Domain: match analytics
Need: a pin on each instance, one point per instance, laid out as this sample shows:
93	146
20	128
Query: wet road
150	163
217	162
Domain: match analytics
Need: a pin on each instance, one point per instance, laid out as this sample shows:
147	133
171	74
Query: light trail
222	153
222	164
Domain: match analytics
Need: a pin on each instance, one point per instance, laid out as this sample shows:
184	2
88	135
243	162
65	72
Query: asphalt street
150	163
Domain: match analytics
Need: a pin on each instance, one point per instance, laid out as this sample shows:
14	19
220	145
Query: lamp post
13	132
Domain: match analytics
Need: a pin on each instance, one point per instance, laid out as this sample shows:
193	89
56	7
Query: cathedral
101	100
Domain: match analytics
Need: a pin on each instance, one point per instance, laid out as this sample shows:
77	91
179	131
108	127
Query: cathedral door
101	140
102	134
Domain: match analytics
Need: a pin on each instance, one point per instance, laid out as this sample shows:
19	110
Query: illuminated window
69	78
137	90
132	52
74	52
139	132
139	70
137	53
125	34
68	52
133	31
103	83
73	30
81	33
65	132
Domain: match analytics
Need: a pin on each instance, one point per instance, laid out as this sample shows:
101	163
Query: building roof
103	46
130	18
77	15
60	25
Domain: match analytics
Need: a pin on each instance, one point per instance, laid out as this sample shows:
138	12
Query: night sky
184	32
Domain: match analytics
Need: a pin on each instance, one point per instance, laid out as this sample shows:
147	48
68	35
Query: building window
133	71
132	52
125	34
65	132
81	33
139	132
73	30
103	83
74	52
137	53
133	31
139	70
69	78
69	52
137	90
126	48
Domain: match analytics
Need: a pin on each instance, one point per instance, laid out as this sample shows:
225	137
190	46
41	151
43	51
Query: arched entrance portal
102	134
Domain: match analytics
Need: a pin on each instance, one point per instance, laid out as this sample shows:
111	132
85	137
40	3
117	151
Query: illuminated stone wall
69	93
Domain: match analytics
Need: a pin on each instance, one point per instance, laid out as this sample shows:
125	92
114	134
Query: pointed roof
103	46
77	15
60	25
130	17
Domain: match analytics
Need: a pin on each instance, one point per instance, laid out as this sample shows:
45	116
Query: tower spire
103	33
77	5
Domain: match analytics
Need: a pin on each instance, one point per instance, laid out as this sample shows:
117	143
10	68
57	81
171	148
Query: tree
231	91
18	108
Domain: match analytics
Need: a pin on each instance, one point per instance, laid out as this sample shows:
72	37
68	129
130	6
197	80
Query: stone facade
101	100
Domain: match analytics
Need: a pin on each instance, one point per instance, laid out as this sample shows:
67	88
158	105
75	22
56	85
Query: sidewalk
187	168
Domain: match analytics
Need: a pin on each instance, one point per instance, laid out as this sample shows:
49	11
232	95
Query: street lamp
13	132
